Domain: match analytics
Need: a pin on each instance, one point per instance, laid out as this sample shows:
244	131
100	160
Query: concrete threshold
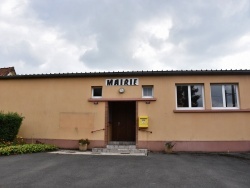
76	152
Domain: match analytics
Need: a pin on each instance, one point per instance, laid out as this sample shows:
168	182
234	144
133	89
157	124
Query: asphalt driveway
155	170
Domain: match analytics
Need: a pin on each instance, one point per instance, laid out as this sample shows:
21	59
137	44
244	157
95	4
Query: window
189	96
224	95
97	92
147	91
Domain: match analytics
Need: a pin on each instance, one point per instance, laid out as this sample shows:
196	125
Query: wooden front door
122	116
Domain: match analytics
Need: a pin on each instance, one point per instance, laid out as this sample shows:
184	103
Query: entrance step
115	147
121	146
128	151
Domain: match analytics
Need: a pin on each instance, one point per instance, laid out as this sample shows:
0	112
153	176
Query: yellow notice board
143	121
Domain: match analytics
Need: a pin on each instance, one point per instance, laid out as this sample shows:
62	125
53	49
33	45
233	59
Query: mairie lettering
122	82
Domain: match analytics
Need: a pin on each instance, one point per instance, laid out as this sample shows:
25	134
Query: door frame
107	137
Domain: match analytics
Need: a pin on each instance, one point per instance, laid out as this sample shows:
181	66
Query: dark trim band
131	73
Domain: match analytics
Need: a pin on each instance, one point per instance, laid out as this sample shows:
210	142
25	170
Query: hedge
9	125
26	148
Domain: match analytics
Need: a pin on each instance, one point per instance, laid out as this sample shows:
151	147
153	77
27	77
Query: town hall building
199	111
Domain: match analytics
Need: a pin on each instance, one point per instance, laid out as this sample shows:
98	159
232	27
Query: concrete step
104	151
121	146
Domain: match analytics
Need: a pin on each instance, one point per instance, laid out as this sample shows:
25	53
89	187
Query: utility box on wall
143	121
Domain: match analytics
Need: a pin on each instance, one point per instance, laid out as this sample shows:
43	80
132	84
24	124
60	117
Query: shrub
9	125
26	148
169	145
84	141
17	141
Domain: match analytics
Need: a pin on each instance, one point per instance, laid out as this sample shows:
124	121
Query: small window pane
196	96
147	91
97	92
182	96
230	96
217	98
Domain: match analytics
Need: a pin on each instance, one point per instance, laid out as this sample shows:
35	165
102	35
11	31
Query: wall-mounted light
121	90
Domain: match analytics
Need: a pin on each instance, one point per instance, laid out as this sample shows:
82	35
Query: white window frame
189	97
223	97
92	90
147	86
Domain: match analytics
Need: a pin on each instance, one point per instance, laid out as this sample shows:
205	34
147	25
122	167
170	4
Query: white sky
52	36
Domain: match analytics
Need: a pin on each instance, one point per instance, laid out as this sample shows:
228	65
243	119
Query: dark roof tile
7	71
131	73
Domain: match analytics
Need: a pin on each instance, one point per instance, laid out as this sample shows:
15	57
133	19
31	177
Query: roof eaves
132	73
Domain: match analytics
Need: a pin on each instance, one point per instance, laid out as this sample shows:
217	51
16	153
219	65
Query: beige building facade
199	111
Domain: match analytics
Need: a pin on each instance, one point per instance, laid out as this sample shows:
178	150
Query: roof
132	73
8	71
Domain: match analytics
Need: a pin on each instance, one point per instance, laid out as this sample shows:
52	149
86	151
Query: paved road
155	170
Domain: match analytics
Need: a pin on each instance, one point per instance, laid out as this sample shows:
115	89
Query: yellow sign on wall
143	121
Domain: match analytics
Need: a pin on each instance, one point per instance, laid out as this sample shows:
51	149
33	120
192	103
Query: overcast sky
52	36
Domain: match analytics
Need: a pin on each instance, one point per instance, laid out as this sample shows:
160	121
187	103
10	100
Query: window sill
212	111
120	99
